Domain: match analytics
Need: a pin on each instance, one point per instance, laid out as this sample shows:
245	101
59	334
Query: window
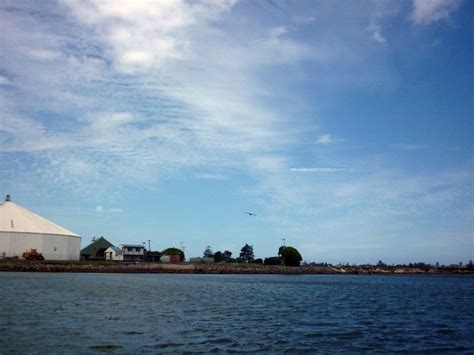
129	249
138	249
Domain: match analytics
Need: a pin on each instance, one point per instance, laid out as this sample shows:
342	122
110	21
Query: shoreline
185	268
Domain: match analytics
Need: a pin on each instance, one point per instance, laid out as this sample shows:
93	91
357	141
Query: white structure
113	253
126	252
22	230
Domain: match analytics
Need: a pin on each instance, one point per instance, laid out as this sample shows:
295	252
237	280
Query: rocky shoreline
185	268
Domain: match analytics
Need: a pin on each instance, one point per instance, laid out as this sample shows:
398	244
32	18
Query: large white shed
22	230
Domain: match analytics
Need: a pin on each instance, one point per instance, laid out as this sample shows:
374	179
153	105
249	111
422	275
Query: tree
222	256
208	252
291	256
246	254
174	251
227	255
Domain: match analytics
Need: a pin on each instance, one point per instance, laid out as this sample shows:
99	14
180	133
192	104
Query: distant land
237	268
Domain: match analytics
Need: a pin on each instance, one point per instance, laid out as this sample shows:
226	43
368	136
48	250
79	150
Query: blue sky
345	126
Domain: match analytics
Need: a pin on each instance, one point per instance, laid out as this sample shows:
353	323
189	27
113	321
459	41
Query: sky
345	126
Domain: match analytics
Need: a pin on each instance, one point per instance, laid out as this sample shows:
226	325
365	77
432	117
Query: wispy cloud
327	138
429	11
411	146
207	176
4	80
376	34
101	210
320	170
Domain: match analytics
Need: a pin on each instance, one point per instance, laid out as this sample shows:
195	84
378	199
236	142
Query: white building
113	253
126	252
22	231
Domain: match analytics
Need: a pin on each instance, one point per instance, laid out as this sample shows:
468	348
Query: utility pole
149	248
284	240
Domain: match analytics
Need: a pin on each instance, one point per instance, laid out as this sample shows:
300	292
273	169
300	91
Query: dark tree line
287	255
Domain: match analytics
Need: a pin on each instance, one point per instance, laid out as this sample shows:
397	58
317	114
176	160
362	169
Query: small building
152	256
113	253
172	259
125	252
96	249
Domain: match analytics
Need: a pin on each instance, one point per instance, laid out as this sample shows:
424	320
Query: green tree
174	251
291	256
222	256
227	256
208	252
246	254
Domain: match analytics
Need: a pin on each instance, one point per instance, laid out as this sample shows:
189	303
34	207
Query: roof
115	249
132	245
96	246
14	218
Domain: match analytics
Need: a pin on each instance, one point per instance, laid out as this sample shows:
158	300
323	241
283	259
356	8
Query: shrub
291	256
33	255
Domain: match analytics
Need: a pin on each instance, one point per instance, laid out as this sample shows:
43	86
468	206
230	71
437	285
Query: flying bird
251	214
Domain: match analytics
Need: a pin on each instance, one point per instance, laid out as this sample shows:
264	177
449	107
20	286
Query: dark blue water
130	313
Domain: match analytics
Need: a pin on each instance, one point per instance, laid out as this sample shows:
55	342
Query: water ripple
123	313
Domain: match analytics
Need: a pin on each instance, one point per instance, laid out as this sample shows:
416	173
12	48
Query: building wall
174	259
133	251
111	254
52	246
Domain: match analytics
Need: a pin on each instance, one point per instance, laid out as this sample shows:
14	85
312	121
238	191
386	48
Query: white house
126	252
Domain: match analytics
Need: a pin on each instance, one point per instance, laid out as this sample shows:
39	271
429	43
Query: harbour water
131	313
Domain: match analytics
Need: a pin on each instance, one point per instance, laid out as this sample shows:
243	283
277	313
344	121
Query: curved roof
14	218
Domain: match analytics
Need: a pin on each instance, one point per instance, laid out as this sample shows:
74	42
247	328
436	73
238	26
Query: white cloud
43	54
142	35
320	170
4	80
102	209
377	36
278	31
429	11
325	139
206	176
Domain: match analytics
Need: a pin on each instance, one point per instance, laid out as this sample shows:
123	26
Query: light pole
284	248
182	249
